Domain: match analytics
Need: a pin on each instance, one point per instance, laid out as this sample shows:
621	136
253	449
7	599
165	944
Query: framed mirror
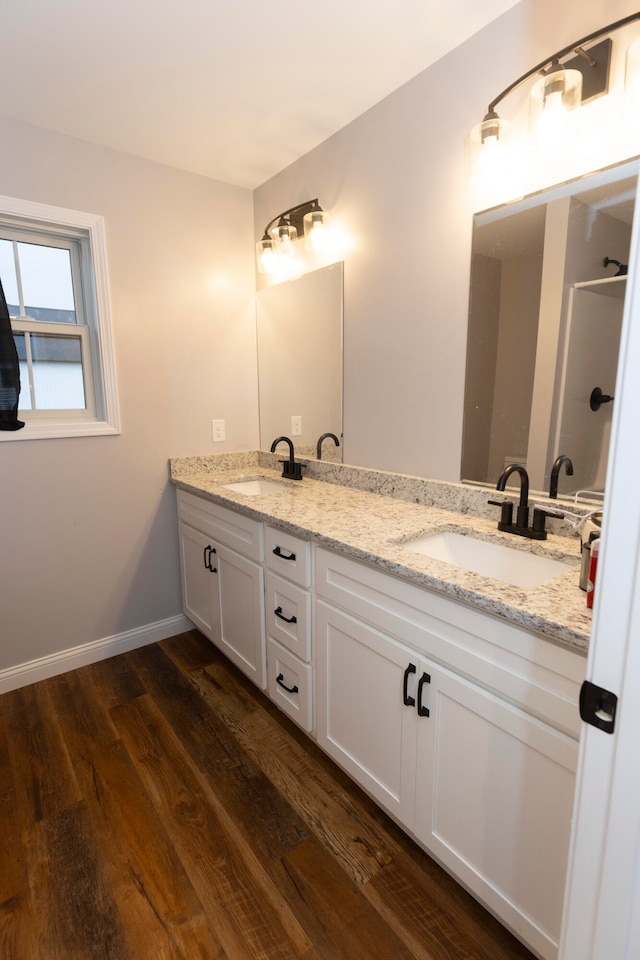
548	281
299	326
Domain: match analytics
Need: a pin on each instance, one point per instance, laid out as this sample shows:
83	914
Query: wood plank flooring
156	806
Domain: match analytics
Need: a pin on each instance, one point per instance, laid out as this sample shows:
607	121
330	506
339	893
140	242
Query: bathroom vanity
449	696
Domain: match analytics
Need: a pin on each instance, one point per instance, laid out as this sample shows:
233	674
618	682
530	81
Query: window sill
33	430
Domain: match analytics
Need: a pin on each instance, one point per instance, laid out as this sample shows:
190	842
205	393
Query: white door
591	360
602	907
493	803
241	598
362	681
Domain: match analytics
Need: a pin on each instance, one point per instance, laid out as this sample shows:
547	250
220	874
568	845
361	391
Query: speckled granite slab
368	515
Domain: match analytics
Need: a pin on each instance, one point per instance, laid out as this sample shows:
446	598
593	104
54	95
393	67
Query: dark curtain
9	372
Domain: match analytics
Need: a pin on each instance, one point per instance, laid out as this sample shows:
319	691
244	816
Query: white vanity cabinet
288	580
221	552
463	727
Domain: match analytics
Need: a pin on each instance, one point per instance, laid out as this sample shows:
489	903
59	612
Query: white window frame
102	415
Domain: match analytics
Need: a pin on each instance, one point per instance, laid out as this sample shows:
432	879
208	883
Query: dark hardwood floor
156	805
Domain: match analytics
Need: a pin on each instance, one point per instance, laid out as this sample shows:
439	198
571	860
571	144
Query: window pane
57	373
46	283
24	403
8	277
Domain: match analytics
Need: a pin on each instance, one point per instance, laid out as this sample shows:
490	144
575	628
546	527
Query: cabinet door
240	595
362	721
494	801
199	586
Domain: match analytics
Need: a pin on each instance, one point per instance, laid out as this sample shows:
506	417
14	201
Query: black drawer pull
422	711
207	559
278	552
280	681
278	613
408	701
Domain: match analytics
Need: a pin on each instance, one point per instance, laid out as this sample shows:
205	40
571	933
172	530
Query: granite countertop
372	526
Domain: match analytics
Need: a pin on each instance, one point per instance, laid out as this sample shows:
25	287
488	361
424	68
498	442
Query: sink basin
255	488
517	567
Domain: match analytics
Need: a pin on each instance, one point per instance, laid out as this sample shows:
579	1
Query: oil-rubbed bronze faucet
555	473
521	527
325	436
522	514
290	468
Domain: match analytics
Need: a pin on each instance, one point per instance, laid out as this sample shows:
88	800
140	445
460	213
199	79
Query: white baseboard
64	660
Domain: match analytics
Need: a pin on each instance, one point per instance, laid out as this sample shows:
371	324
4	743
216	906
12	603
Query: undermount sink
256	488
498	561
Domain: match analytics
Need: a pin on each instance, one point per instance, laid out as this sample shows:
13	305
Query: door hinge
598	706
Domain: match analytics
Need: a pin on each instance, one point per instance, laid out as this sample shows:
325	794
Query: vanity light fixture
564	85
306	220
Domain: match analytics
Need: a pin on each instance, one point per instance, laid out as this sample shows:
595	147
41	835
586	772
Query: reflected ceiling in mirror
545	315
299	326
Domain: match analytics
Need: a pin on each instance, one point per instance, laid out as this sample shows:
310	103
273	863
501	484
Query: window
53	271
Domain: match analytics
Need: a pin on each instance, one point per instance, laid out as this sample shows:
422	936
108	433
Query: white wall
88	544
396	177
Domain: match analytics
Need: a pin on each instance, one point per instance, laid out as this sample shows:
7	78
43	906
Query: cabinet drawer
288	555
226	526
289	683
288	613
541	677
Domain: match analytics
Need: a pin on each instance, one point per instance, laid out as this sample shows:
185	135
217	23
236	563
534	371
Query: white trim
46	213
93	226
86	653
35	430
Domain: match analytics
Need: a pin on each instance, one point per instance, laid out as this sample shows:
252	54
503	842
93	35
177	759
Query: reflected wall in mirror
545	314
299	327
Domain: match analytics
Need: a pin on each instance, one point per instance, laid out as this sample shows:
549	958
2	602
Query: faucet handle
506	512
539	517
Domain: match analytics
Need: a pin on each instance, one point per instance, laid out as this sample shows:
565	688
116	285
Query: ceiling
230	89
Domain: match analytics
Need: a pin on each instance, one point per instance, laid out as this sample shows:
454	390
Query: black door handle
278	552
597	398
422	711
280	681
598	706
208	550
278	613
408	701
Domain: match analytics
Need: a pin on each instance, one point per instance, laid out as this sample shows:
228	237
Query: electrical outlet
217	431
296	426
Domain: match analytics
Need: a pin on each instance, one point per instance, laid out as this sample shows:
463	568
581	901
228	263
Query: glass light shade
555	95
266	255
487	144
315	233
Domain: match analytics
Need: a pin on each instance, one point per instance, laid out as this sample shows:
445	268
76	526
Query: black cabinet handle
280	682
207	559
422	711
278	552
278	613
408	701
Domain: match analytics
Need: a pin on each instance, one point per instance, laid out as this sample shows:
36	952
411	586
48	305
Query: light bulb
553	118
286	247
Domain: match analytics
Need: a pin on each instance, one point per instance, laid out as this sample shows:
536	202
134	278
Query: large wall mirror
299	326
545	314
